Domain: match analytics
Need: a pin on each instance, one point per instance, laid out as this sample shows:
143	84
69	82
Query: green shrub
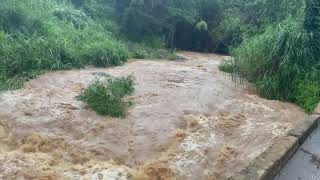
143	51
66	13
24	55
308	94
121	86
15	19
90	45
139	54
106	98
228	67
12	83
308	89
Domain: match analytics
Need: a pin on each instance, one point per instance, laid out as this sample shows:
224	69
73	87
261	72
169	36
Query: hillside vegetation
284	60
48	35
275	43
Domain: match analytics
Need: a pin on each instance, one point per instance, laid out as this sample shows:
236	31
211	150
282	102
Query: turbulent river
189	122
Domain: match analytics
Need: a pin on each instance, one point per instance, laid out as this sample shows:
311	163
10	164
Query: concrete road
305	164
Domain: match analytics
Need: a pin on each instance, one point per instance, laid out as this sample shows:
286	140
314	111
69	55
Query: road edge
268	164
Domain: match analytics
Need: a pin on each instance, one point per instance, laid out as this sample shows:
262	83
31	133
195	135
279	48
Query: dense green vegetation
283	60
41	35
107	98
47	35
275	43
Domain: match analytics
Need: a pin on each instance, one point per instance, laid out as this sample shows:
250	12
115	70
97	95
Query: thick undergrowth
283	61
37	36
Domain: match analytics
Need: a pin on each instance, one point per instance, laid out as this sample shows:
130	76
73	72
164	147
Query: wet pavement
305	164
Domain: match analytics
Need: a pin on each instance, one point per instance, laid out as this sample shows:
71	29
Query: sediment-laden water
189	121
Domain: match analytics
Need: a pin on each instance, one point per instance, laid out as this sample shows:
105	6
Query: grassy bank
282	62
37	36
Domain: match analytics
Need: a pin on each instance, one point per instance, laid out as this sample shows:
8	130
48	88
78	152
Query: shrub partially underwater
107	98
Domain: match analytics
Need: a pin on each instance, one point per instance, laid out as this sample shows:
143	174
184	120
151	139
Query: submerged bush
121	86
228	67
106	98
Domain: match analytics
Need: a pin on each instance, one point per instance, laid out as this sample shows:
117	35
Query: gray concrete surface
305	164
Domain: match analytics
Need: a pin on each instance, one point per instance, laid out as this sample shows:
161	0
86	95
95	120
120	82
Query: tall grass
145	51
228	67
38	35
279	61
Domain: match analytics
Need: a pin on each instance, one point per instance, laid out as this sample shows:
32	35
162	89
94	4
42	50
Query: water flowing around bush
106	98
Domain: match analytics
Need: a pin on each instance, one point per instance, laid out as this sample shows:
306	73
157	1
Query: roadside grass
108	98
282	63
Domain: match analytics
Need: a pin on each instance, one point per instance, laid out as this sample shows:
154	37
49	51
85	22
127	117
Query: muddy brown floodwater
190	122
